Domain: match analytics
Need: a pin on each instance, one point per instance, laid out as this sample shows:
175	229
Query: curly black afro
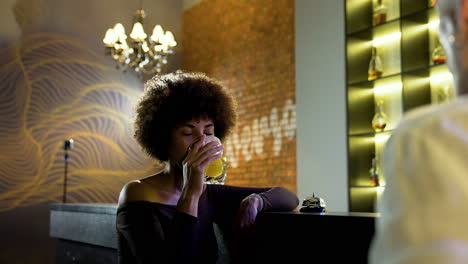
175	98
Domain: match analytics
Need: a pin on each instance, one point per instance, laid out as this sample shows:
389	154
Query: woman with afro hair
169	217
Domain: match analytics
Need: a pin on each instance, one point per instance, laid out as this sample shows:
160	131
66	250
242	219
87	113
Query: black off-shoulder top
150	232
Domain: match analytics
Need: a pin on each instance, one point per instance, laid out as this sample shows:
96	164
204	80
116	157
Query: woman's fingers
201	153
193	149
207	156
209	145
197	144
206	161
246	215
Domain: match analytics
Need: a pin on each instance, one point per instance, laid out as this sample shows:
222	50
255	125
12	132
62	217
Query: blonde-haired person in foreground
424	208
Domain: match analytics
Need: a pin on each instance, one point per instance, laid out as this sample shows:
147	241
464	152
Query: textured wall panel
249	46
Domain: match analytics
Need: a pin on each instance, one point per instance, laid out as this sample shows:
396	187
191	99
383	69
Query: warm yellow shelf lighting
387	39
354	6
433	25
379	190
440	77
387	88
380	139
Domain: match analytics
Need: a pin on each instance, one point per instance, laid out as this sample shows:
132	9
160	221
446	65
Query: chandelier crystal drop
146	54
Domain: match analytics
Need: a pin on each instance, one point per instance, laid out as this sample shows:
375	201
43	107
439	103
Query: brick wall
249	46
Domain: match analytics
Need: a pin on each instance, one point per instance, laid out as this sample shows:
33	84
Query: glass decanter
374	173
379	122
444	94
379	13
438	54
375	66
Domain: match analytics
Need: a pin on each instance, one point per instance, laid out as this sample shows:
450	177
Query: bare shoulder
136	190
153	188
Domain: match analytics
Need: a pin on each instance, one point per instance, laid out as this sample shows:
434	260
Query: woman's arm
199	155
242	204
236	209
279	199
227	197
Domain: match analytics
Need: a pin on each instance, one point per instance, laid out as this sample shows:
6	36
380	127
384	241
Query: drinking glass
215	172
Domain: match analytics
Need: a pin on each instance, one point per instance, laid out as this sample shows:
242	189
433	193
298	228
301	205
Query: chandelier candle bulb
144	54
158	33
138	34
120	31
110	38
170	39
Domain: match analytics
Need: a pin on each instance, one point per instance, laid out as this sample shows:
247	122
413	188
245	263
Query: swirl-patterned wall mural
56	84
53	89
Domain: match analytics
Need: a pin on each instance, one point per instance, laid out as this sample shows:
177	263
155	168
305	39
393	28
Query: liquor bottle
438	54
379	122
375	66
444	94
433	3
374	173
380	13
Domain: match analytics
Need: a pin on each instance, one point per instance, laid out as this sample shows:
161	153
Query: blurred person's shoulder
435	120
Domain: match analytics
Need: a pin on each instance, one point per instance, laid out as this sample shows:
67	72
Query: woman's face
185	134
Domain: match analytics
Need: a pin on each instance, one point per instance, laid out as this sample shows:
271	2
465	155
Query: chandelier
144	54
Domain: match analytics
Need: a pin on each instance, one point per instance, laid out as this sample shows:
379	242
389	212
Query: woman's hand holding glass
199	156
215	172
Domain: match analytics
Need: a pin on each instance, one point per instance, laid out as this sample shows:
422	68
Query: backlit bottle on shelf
374	173
444	94
438	54
379	122
380	13
375	66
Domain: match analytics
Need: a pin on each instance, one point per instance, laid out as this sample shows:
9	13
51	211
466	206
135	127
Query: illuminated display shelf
410	79
372	134
408	72
394	19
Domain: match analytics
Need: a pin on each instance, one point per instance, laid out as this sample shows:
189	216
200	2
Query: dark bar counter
333	237
86	234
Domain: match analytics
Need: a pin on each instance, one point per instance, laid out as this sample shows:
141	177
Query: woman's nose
197	133
196	137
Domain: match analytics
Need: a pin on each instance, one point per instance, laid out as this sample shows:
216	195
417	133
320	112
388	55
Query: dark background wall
56	84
